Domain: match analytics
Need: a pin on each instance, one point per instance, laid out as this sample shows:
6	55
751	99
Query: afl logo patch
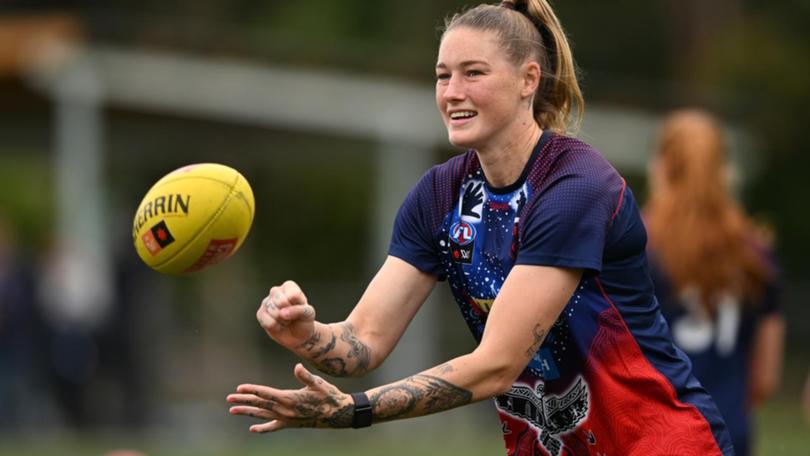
462	233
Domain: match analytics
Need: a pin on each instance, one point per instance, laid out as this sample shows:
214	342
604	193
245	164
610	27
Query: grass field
782	432
346	443
782	429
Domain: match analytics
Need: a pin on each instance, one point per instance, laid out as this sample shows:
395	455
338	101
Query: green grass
348	443
455	432
782	431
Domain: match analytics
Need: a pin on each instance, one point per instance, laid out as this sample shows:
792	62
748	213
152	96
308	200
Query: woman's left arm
528	304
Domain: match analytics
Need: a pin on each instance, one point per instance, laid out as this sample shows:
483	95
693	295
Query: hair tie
507	4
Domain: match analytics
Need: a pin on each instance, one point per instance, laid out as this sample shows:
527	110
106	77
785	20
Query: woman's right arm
359	344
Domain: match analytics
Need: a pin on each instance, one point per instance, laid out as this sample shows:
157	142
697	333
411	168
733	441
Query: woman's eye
442	76
471	73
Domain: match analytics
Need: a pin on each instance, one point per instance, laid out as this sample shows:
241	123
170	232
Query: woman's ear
531	78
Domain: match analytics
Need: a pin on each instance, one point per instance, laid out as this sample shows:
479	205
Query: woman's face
480	94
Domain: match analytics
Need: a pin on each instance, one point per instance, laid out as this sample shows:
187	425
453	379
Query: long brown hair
529	29
698	233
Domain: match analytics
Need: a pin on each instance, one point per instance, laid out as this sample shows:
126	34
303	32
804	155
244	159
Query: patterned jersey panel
575	193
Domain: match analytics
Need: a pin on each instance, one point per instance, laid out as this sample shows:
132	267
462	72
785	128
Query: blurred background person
20	331
714	271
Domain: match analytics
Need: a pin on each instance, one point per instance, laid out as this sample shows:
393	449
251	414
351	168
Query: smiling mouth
461	115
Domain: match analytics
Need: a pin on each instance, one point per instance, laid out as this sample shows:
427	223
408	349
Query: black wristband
362	411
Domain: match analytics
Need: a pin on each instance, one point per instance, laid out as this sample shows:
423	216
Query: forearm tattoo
416	396
539	336
340	358
310	406
312	342
313	410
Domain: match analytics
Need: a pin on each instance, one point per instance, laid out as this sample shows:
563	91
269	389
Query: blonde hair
529	29
700	235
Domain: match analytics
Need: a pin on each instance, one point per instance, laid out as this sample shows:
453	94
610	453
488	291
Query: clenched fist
286	316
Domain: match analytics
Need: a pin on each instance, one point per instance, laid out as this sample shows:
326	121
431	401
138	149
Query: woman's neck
504	163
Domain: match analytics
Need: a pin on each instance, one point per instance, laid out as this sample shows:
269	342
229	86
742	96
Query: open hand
318	404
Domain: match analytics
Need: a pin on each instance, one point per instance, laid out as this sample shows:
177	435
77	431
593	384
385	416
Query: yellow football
193	217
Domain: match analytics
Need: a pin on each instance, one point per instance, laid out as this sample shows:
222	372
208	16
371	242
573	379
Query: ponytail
560	91
529	29
702	238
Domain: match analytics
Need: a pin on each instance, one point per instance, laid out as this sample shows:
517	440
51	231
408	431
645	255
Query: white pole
79	282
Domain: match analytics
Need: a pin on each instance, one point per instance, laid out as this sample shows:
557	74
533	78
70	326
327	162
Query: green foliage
760	68
26	197
314	220
607	39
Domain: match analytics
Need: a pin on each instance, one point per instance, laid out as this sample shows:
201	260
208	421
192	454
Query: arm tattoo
357	349
539	336
335	367
327	356
415	396
342	418
314	411
326	348
310	343
444	368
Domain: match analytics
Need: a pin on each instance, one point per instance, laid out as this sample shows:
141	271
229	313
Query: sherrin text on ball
192	218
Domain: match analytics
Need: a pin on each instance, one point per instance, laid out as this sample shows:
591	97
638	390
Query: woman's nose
454	89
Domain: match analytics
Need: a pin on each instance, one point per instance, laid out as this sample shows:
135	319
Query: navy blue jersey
607	379
719	346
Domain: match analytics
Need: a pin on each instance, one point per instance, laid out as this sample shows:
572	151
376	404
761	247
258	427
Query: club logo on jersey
462	233
552	415
462	242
